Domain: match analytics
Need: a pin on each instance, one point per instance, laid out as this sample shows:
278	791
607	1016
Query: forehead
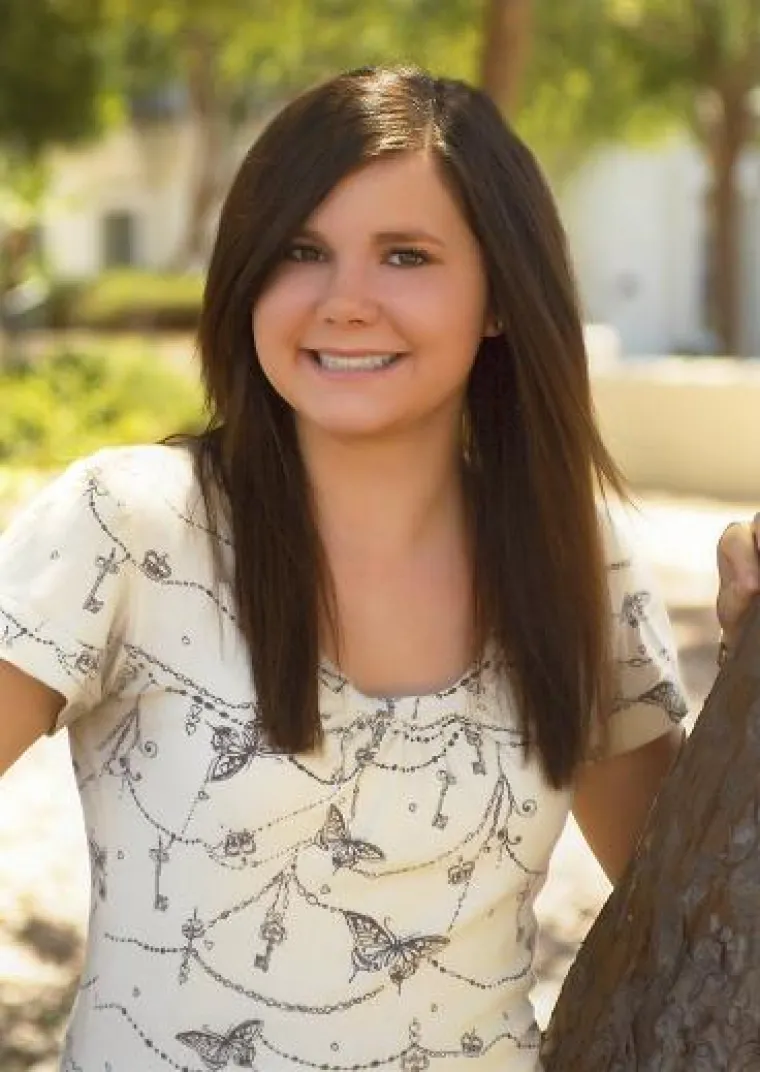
397	193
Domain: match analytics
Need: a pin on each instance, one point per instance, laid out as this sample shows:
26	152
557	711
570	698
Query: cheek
270	335
263	320
452	314
280	311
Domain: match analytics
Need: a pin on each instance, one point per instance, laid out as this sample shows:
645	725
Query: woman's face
371	323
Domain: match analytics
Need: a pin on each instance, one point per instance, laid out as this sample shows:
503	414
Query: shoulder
618	536
630	569
140	474
141	485
117	494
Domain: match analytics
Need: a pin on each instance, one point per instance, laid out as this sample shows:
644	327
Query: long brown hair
536	461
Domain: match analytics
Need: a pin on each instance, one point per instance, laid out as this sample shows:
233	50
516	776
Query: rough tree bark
668	979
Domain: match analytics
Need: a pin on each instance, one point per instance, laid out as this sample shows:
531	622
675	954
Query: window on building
118	240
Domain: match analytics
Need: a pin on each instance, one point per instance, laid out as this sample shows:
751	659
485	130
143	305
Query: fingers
739	553
739	571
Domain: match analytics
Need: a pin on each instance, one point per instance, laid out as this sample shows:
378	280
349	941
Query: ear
493	327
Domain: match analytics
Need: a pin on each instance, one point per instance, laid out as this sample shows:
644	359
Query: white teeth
339	363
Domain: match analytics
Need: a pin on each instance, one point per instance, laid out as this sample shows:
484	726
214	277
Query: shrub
131	300
64	293
73	403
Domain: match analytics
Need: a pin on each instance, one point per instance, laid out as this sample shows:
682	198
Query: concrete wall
682	425
110	176
145	172
635	219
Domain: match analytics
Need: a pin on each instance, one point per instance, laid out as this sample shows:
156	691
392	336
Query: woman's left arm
613	798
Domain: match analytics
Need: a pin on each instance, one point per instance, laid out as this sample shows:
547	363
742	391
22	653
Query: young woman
335	672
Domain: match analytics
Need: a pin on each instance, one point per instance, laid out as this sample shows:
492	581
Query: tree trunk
668	978
506	42
208	118
726	140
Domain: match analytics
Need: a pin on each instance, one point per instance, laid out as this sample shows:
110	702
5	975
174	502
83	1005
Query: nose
347	299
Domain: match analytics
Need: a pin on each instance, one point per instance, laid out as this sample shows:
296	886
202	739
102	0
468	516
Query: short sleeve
62	586
649	697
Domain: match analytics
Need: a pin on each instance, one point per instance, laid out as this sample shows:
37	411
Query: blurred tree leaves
51	72
591	71
622	70
704	55
230	58
598	70
285	46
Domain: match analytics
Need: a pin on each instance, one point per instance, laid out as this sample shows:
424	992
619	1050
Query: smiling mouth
331	362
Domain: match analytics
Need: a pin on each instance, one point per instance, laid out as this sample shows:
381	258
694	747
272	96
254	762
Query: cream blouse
369	906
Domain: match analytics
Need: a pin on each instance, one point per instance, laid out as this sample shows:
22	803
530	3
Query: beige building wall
687	426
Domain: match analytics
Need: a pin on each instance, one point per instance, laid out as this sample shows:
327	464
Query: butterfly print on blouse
236	750
217	1051
334	837
669	697
376	948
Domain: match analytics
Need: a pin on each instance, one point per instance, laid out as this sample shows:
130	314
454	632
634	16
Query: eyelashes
303	253
396	257
409	257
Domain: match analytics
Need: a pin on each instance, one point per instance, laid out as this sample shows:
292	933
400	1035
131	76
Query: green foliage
618	70
327	36
581	89
74	403
61	300
259	48
692	40
50	72
630	70
230	60
128	299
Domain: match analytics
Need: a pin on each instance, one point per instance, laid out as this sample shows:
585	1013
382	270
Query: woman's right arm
28	710
64	548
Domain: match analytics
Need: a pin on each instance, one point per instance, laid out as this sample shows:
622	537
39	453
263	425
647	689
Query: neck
384	498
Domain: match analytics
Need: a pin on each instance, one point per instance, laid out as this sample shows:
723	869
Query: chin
359	432
353	426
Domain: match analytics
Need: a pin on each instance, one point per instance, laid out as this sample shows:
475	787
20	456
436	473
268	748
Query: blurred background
121	124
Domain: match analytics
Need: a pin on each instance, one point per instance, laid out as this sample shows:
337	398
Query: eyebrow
411	235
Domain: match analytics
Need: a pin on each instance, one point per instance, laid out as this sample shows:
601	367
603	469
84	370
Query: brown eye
303	253
408	258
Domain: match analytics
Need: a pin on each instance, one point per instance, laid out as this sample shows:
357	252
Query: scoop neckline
474	670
